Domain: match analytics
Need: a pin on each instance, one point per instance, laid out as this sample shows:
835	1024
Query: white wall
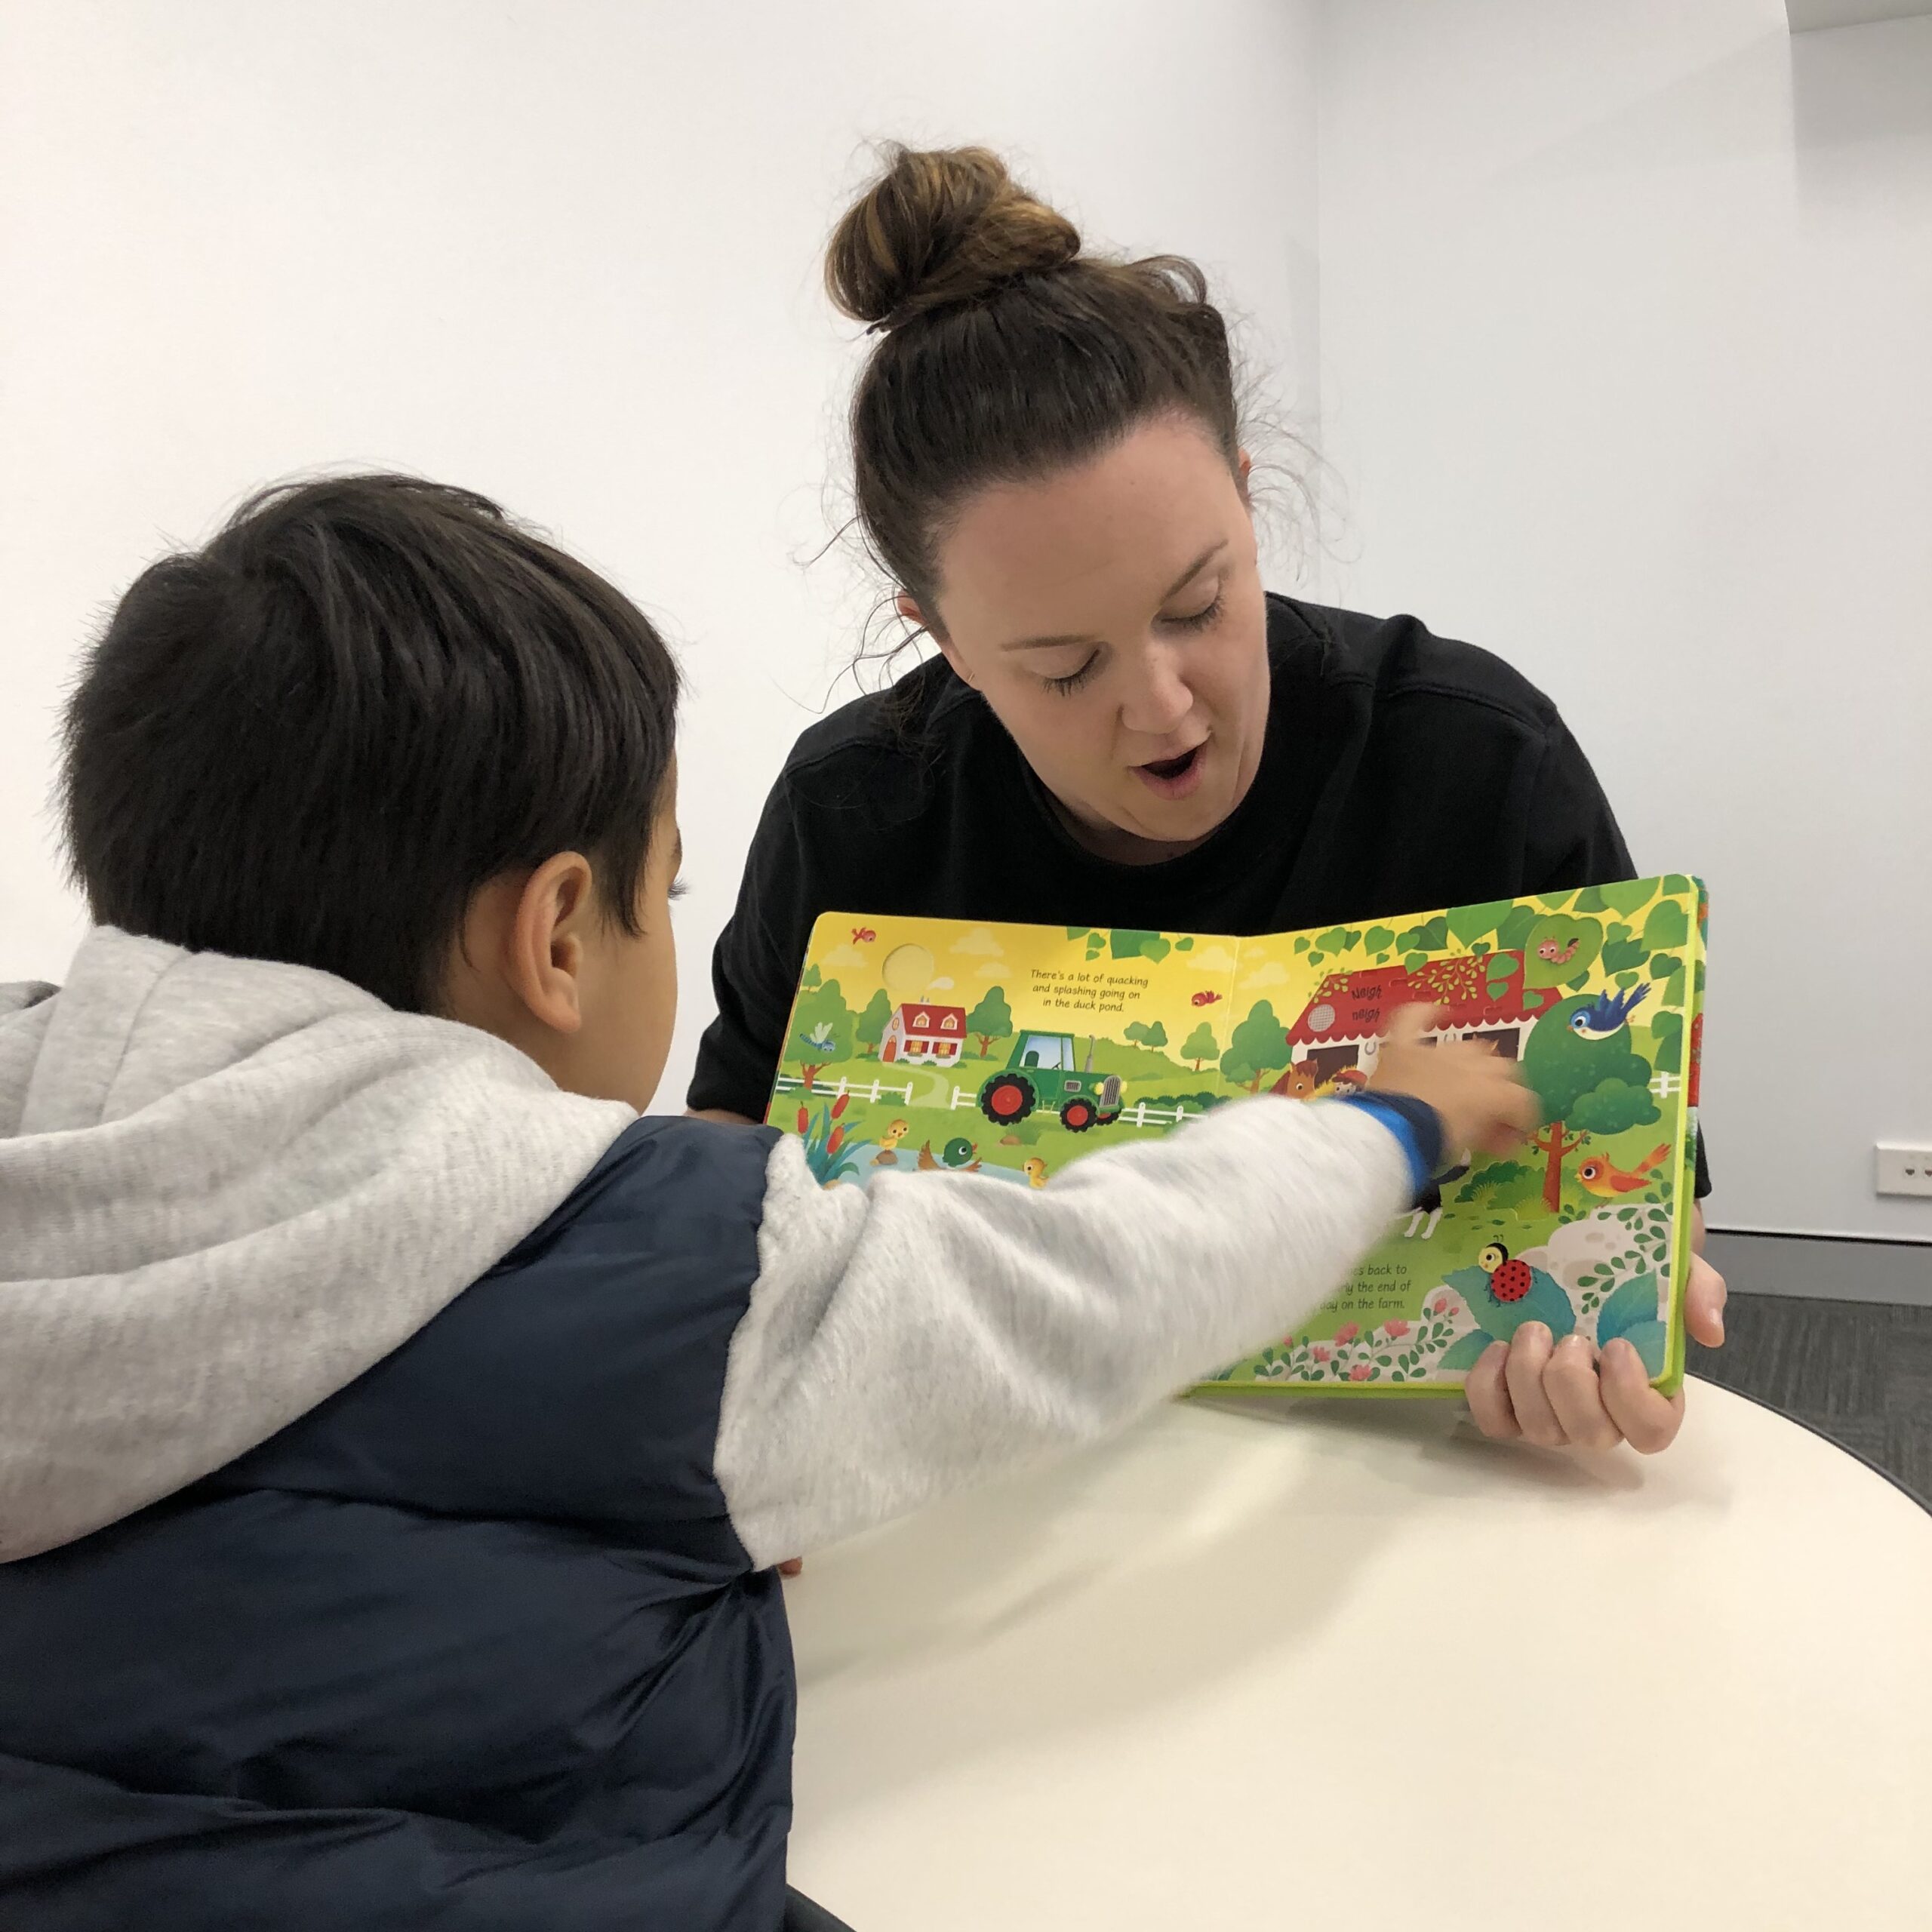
567	255
1626	327
1622	318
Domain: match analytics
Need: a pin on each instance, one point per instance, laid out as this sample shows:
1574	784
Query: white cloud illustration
847	959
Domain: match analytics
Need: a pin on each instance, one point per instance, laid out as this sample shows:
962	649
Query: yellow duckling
1035	1171
887	1155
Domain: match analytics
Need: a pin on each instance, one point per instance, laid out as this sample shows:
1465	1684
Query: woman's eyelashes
1072	682
1190	621
1200	619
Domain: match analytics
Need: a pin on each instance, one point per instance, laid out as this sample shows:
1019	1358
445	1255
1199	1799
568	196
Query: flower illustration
1396	1330
1320	1353
1359	1373
1346	1333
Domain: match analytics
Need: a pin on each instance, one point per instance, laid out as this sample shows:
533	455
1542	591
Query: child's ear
545	944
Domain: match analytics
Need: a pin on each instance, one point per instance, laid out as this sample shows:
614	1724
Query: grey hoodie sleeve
228	1187
908	1339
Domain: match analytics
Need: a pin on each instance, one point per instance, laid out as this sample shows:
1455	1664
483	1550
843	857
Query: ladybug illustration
1508	1281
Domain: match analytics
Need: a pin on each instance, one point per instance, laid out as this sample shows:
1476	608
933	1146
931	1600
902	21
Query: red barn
1482	994
923	1032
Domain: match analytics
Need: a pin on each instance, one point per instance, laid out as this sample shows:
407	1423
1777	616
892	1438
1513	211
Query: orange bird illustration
1205	999
863	935
1607	1181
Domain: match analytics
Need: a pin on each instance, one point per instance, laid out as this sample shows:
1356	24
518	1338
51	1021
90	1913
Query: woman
1122	727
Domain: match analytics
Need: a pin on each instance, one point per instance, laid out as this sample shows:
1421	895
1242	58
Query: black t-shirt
1401	772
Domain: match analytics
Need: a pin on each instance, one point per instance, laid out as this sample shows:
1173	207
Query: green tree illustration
991	1020
871	1027
1202	1045
822	1030
1593	1086
1259	1047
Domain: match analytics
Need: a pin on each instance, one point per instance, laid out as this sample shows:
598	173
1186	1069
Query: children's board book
928	1046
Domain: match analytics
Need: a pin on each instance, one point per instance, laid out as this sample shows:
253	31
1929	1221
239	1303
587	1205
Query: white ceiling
1804	14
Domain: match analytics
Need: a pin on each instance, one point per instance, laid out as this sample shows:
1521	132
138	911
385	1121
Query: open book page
1595	995
1008	1051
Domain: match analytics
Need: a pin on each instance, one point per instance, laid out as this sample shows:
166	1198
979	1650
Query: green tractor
1042	1073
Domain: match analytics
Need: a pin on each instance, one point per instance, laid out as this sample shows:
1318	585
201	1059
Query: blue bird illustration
1605	1016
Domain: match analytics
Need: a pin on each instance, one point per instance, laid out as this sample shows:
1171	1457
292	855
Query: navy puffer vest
474	1644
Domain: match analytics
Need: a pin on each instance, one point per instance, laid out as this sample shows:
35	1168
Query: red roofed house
1483	995
923	1032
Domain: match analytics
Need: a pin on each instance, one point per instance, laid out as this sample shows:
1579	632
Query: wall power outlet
1904	1170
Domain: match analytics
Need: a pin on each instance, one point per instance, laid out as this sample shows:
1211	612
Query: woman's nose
1158	700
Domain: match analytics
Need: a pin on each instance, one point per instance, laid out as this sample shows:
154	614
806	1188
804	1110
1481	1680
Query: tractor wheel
1107	1120
1006	1099
1077	1116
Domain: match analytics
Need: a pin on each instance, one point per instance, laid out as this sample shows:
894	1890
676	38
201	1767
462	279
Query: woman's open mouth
1174	777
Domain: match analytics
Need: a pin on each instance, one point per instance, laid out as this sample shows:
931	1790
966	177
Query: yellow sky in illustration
1049	982
1055	983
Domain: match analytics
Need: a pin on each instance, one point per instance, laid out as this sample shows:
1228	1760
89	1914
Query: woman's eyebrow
1194	570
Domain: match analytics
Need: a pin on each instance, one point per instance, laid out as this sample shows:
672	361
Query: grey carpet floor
1858	1372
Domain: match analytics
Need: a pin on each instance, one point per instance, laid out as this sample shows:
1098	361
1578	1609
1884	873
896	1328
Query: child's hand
1480	1098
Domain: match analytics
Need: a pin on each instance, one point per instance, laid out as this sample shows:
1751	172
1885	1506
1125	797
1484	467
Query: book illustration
923	1046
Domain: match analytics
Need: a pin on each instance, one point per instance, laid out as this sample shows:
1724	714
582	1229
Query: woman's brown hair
1005	352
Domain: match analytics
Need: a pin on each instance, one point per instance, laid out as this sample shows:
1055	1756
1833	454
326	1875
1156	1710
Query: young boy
399	1430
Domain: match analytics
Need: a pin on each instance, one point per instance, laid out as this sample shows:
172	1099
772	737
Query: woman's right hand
1479	1097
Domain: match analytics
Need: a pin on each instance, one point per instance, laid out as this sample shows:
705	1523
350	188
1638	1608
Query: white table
1299	1667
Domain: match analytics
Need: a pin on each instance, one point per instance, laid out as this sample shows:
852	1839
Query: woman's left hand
1563	1395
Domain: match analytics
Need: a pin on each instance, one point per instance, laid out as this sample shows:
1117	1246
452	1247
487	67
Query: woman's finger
1576	1393
1650	1421
1487	1394
1529	1356
1704	1297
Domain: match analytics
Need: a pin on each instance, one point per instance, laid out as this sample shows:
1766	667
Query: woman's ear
907	606
543	947
1243	468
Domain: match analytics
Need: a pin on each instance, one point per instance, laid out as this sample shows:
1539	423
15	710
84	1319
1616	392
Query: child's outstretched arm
903	1341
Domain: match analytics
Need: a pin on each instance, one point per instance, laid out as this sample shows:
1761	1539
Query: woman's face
1112	616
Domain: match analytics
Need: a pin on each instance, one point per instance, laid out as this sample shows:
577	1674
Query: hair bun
941	226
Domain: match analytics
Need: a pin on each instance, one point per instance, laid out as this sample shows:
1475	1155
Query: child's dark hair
1005	352
316	738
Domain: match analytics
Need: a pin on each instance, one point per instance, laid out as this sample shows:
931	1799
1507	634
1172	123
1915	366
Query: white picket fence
833	1090
1140	1115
